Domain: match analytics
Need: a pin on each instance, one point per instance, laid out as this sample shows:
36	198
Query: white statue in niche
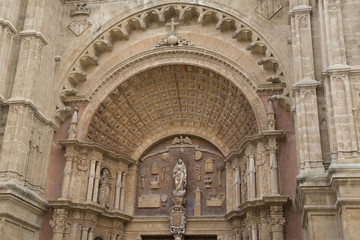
179	175
104	188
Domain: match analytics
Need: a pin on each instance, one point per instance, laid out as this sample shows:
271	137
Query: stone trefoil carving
172	39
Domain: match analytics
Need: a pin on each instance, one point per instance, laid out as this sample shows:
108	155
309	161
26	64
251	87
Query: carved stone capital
277	224
58	226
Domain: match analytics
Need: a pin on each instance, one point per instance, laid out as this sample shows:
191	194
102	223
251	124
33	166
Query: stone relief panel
205	190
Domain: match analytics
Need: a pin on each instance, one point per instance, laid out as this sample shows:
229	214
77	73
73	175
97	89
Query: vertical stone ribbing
306	116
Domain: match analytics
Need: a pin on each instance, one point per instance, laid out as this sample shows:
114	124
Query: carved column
264	231
91	233
69	158
306	115
118	187
84	232
273	167
251	170
253	227
237	183
91	179
122	192
97	179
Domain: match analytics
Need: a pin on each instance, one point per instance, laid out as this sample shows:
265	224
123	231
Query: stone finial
271	116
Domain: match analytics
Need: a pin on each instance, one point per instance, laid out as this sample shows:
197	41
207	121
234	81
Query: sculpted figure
179	175
104	188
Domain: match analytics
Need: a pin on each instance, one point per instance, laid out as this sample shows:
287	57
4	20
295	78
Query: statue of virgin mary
179	175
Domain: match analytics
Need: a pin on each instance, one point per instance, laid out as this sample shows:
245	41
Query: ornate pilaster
307	128
341	124
306	110
7	33
58	223
277	222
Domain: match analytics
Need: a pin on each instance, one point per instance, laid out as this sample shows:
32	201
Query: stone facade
101	100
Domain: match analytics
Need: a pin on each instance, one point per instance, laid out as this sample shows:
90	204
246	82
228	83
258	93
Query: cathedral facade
192	119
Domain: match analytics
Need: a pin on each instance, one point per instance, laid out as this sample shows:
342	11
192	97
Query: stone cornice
27	102
336	69
249	205
95	208
8	24
301	9
249	139
29	198
98	147
305	83
35	34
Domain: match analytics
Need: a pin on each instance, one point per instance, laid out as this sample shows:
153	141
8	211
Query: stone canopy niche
180	98
205	182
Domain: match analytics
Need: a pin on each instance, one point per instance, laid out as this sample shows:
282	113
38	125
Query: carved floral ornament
183	13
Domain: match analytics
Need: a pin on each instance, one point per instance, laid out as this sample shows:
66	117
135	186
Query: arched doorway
177	99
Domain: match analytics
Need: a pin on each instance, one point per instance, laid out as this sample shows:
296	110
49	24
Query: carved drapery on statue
180	175
104	188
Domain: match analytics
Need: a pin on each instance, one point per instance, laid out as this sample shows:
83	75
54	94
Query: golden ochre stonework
157	119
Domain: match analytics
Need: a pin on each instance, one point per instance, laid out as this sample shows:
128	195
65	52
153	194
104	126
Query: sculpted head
180	161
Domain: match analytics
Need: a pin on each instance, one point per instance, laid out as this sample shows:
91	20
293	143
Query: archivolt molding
155	58
204	15
124	75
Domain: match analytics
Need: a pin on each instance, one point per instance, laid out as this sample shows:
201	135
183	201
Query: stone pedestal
177	218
